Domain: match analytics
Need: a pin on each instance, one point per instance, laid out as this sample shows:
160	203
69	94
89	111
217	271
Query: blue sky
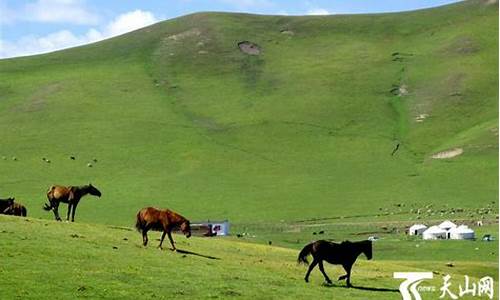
39	26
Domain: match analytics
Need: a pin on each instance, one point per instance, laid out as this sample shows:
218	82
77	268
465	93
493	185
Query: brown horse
17	209
6	205
344	254
71	195
161	220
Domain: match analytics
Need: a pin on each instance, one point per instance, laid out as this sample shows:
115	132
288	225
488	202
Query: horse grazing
344	254
6	205
71	195
19	210
161	220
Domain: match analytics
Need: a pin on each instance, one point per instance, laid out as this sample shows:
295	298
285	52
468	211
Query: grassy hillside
44	259
177	116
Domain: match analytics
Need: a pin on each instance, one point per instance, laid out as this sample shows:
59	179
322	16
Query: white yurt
434	233
462	232
417	229
447	225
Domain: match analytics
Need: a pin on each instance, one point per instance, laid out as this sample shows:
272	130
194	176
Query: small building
447	225
462	232
417	229
434	233
210	228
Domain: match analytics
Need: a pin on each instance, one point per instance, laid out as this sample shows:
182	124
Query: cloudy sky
38	26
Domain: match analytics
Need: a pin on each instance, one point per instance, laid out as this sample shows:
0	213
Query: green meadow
332	127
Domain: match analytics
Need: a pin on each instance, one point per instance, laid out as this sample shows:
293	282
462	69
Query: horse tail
24	211
304	253
138	222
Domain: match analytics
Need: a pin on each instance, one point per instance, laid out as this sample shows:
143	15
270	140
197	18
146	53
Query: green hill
327	129
177	116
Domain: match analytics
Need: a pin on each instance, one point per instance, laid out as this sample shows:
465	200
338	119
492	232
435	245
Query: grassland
284	144
42	259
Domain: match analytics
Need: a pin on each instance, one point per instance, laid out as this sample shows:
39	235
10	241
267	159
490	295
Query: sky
29	27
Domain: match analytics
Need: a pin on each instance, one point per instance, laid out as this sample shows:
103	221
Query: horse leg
73	212
323	272
144	236
69	210
347	276
56	211
311	267
171	240
161	240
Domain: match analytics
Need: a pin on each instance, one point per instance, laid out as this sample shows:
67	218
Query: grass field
297	139
43	258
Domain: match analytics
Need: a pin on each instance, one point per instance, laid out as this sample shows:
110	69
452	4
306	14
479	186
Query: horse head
367	249
186	228
9	206
93	190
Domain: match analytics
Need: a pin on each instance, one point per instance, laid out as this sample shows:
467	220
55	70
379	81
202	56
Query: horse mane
179	219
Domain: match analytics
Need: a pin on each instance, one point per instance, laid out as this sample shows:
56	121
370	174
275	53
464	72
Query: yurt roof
462	229
418	226
435	229
447	224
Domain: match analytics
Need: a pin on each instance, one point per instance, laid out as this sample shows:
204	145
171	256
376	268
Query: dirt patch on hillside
421	117
448	153
287	32
399	90
464	45
37	100
184	34
249	48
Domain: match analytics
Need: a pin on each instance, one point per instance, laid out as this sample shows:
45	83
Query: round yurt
434	233
447	225
462	232
417	229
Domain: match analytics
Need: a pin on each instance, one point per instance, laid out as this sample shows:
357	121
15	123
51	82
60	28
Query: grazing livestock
344	254
6	205
150	218
19	210
70	195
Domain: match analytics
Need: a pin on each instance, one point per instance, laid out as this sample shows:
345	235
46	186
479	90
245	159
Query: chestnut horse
71	195
344	254
161	220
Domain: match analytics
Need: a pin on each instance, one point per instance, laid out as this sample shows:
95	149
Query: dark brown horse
6	205
150	218
344	254
17	209
70	195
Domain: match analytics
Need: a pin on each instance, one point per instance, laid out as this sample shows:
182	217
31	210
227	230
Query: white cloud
130	21
29	45
60	11
318	12
51	11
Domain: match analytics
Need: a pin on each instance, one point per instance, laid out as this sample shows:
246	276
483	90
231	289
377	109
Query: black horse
6	205
344	254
